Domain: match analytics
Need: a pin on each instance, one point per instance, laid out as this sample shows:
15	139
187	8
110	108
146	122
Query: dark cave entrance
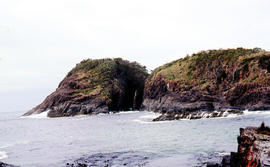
128	91
129	97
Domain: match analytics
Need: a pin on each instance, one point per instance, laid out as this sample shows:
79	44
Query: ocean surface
122	139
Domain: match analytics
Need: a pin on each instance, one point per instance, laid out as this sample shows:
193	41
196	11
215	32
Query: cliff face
253	149
97	86
210	80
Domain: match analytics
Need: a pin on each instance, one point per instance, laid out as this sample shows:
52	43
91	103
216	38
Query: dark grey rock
129	159
6	165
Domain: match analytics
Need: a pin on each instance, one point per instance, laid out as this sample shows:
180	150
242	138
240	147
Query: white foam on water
3	155
151	122
127	112
150	116
231	116
224	153
147	122
142	121
39	116
247	112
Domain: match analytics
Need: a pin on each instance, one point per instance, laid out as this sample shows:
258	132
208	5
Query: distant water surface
38	141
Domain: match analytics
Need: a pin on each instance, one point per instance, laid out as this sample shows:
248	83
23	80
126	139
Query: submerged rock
210	81
96	86
131	159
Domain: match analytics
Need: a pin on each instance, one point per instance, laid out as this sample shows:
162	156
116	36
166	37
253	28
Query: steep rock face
96	86
210	80
253	149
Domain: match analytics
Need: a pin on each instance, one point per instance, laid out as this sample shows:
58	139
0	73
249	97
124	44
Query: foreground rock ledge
253	149
96	86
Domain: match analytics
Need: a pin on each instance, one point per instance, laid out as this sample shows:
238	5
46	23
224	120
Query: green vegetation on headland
201	68
93	76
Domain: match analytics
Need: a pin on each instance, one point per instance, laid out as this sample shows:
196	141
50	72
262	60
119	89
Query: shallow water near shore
122	139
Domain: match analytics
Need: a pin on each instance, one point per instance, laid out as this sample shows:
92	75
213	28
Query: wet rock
226	161
130	159
213	165
196	115
6	165
209	159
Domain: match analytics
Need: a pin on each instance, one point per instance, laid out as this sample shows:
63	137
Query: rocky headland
223	81
97	86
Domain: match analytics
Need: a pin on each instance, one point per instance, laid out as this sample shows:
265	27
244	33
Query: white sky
41	40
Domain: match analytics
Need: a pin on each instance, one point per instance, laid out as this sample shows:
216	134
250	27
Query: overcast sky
41	40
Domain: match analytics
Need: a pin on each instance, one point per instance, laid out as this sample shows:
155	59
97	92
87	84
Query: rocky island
97	86
215	80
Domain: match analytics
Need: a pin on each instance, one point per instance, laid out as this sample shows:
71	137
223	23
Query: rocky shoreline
197	115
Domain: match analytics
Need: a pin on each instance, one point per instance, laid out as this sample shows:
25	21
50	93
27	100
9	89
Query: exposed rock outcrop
253	149
208	81
96	86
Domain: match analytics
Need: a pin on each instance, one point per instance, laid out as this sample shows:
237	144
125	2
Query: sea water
122	139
